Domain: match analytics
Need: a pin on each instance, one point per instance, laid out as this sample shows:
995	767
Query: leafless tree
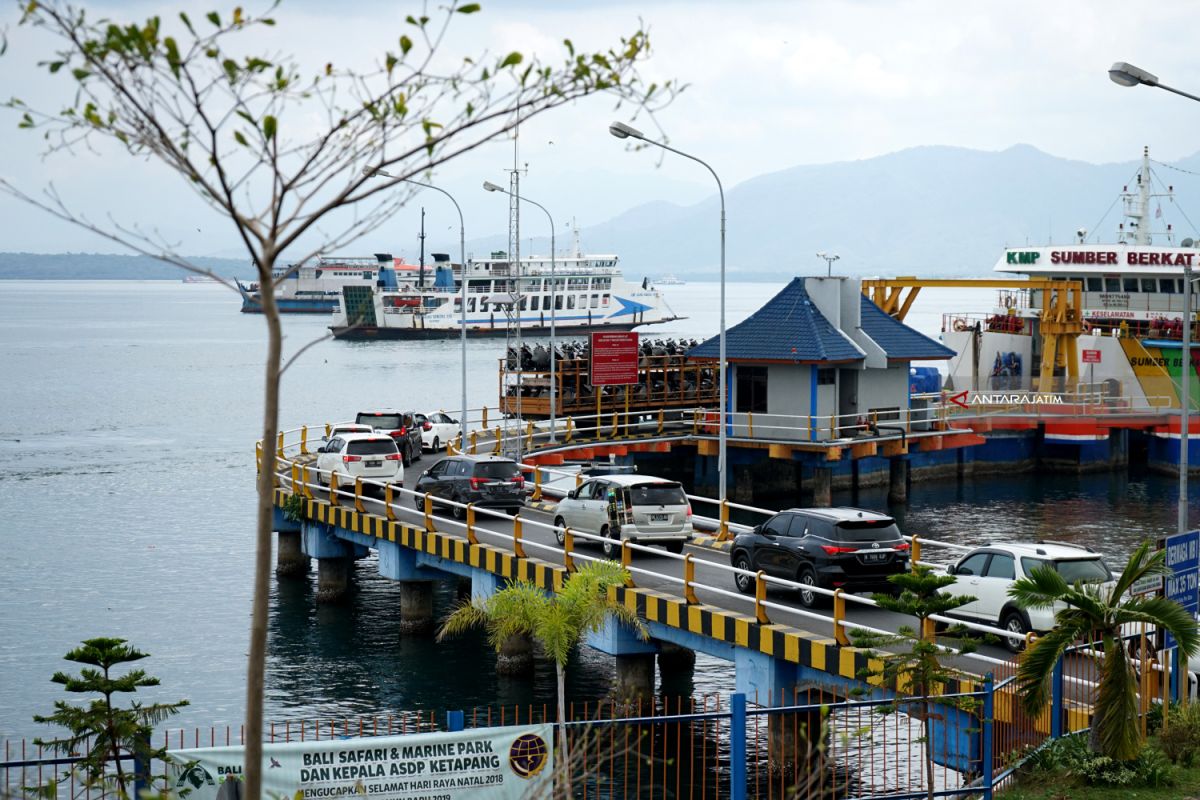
281	154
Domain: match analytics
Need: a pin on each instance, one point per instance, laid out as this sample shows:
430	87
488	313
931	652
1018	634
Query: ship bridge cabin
819	361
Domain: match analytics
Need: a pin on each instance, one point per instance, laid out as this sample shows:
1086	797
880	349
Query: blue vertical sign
1182	584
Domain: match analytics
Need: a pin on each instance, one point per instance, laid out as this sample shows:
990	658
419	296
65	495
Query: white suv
371	456
639	508
987	572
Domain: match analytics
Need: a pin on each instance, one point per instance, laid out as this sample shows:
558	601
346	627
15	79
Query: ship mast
1137	208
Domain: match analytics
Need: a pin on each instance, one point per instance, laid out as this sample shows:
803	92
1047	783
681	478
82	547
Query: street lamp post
491	187
462	256
623	131
829	259
1129	75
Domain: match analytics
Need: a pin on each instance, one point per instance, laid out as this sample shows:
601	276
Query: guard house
822	351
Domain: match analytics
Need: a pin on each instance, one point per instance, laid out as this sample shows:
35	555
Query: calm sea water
126	501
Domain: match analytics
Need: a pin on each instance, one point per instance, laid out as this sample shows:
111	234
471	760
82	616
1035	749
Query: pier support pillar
897	481
743	485
793	744
290	560
515	656
676	666
822	486
635	677
333	579
416	606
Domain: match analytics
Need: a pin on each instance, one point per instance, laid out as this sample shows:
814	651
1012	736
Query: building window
751	390
826	376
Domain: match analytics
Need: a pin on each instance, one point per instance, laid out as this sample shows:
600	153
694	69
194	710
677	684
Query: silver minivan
639	508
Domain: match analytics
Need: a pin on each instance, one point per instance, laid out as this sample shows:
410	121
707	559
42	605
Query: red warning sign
614	358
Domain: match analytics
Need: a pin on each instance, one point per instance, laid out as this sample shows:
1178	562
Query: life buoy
960	325
1008	302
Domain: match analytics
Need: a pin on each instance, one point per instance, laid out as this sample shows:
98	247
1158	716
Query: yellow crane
1060	314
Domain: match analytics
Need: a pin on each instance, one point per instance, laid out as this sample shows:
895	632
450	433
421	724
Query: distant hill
99	266
922	211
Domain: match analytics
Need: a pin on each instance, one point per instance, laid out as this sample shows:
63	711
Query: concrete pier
897	481
333	579
416	606
290	560
635	677
822	487
676	668
515	656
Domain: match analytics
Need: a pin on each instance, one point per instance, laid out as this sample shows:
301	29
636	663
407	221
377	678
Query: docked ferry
1129	343
315	288
583	293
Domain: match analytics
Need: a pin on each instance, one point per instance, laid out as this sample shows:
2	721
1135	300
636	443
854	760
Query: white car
348	427
639	508
437	429
986	572
370	456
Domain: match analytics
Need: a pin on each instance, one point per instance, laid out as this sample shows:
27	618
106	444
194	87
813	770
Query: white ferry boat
670	280
588	293
1132	310
315	288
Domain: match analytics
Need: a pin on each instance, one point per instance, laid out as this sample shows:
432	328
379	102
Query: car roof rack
1067	544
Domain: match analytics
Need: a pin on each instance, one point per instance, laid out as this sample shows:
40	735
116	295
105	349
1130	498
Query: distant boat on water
670	280
200	279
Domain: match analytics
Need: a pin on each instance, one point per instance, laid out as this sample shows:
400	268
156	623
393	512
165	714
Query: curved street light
623	131
1129	75
462	255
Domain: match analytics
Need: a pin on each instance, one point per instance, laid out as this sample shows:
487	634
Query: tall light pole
623	131
491	187
462	260
1129	75
829	259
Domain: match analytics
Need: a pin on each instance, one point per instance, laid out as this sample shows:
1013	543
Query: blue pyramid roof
899	341
788	328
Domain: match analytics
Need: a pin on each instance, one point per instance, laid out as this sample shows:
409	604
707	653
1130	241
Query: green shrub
1071	755
293	508
1181	739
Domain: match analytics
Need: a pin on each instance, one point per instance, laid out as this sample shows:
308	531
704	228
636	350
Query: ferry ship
315	288
588	293
1132	310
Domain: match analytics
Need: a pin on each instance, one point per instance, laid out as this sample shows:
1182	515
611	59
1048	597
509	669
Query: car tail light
428	426
834	550
476	483
349	459
903	547
689	511
392	457
518	479
403	432
397	434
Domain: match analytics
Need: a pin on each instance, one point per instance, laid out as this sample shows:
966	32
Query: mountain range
932	210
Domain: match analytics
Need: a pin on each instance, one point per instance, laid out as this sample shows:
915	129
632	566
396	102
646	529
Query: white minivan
638	508
370	456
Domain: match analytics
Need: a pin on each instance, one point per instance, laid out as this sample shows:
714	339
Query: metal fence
791	746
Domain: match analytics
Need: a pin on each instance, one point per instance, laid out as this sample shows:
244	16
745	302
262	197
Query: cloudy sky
771	85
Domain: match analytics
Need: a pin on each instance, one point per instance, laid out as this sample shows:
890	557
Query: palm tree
558	621
1098	610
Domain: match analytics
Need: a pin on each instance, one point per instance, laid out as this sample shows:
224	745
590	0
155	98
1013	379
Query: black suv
833	548
486	481
402	426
